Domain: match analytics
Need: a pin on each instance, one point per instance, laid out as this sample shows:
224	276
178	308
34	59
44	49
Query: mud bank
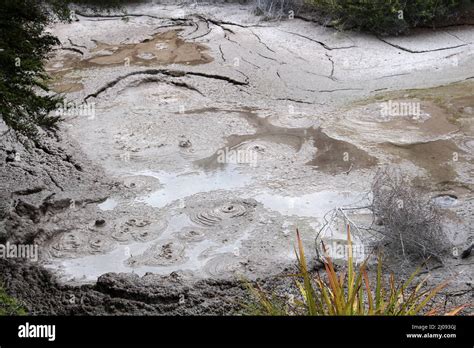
125	294
212	136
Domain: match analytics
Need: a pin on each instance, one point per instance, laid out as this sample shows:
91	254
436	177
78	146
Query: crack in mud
166	72
222	53
331	75
99	16
321	43
220	23
72	49
75	45
263	43
338	90
297	101
419	51
174	83
209	29
250	63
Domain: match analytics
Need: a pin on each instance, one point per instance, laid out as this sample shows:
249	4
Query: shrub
411	223
388	17
349	293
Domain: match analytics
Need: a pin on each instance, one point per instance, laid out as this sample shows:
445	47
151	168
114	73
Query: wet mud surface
214	136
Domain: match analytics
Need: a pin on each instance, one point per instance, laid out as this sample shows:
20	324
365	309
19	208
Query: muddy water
272	143
436	157
178	186
161	48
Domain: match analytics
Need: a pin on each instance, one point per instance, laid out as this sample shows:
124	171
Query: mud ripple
139	230
77	243
100	244
268	148
190	234
68	244
223	212
164	253
223	265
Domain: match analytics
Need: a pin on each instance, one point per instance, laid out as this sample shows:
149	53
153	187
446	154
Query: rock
100	222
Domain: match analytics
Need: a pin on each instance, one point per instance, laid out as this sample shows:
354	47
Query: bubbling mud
68	244
436	157
274	144
138	229
192	234
445	200
163	253
77	243
223	212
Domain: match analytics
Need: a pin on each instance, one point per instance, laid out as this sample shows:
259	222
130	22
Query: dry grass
411	224
277	9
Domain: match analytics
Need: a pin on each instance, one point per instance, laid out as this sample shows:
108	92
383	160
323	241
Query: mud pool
224	133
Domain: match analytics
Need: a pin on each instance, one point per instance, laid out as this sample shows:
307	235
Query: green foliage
9	306
25	100
349	293
388	17
24	46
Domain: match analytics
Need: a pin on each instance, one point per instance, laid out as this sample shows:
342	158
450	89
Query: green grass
9	306
350	292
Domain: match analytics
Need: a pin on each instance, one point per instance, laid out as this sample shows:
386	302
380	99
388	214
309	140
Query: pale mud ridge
159	215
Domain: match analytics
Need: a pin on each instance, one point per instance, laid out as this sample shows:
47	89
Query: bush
388	17
411	223
350	293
